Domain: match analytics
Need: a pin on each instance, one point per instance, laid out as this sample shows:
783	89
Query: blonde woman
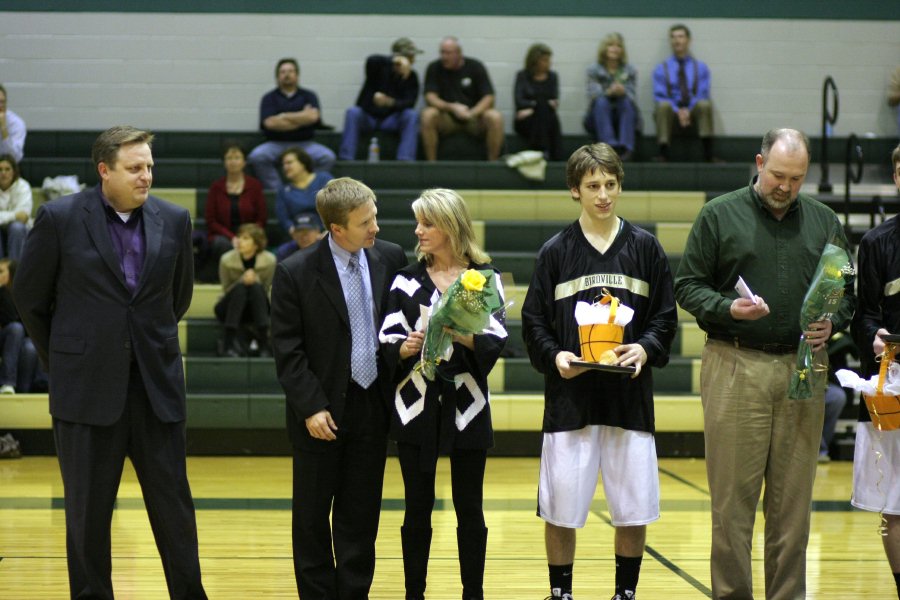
612	97
450	415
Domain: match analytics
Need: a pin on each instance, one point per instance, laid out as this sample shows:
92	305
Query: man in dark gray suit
327	304
105	276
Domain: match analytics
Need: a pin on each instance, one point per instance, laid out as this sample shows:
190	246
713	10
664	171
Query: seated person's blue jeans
358	122
12	337
12	239
613	120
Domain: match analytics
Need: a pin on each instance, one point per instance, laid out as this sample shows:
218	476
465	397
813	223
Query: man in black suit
327	304
104	278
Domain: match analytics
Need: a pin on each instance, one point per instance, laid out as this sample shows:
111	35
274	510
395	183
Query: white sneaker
7	389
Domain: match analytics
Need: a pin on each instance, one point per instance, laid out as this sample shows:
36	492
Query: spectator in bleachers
12	333
613	114
288	116
460	97
299	194
24	367
386	102
246	274
12	130
231	201
894	95
306	232
12	336
681	86
537	101
15	208
441	416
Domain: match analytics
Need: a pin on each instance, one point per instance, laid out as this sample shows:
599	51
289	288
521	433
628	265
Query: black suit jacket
87	325
311	337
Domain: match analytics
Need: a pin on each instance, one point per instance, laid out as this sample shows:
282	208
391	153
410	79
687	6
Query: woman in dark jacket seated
537	99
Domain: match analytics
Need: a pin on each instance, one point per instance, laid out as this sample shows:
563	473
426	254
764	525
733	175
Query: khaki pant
755	434
447	125
667	117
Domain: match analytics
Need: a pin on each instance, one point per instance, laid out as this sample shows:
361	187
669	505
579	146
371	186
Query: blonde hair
609	40
447	211
339	198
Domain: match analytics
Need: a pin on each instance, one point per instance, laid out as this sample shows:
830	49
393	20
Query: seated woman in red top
232	201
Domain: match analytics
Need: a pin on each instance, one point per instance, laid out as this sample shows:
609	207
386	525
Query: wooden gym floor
243	513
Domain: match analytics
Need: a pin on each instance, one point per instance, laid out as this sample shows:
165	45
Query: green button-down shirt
736	235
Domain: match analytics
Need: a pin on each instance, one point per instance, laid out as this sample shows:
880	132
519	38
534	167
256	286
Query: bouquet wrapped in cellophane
466	307
822	300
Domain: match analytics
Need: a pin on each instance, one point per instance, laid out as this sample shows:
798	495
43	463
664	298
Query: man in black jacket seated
386	101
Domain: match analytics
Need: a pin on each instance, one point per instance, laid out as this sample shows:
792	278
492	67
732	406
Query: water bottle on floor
374	150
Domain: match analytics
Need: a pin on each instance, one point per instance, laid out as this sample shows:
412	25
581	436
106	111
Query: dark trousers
244	303
542	131
91	459
337	561
12	338
467	483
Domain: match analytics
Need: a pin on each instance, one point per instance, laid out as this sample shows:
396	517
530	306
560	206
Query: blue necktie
362	355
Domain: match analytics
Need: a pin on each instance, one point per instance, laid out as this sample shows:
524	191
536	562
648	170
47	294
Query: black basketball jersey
568	268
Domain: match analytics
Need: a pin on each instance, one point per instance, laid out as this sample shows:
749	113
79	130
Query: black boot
416	548
472	545
231	347
265	346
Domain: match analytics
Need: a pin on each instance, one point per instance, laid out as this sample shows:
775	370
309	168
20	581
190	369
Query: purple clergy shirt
128	242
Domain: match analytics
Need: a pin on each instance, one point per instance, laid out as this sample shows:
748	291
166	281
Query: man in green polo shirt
772	236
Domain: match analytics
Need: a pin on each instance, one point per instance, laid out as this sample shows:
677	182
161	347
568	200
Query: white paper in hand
424	315
744	290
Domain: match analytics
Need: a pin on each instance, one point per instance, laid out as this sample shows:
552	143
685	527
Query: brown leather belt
741	344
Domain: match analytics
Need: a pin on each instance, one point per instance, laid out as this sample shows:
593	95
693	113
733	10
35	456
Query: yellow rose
832	272
472	280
